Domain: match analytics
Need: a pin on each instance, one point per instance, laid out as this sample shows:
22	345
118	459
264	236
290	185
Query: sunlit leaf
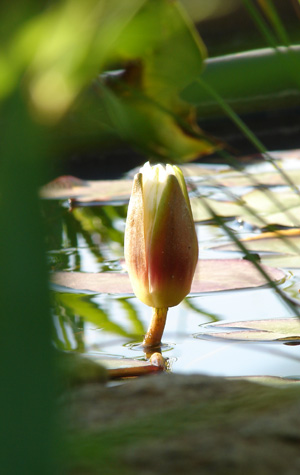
270	202
286	261
143	103
210	276
221	208
262	208
281	208
285	330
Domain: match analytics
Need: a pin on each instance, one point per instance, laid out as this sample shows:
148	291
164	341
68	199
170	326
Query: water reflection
87	239
76	314
90	239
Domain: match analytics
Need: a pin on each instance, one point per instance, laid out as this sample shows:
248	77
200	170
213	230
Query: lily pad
211	275
288	218
287	261
285	330
87	191
281	208
283	241
285	244
240	179
220	208
278	208
197	170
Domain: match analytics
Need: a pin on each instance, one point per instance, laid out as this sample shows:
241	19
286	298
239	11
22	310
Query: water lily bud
161	248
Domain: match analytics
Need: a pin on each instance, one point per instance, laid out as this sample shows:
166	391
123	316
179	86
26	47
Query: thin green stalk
156	328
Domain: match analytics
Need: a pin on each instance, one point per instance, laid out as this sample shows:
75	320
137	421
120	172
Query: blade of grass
260	22
247	132
270	11
267	6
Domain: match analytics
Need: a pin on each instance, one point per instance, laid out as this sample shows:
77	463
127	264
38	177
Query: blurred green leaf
61	49
26	398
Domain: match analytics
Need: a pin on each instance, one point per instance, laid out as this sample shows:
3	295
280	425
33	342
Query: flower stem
156	327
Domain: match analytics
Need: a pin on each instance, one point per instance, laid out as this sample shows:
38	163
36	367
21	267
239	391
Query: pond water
85	235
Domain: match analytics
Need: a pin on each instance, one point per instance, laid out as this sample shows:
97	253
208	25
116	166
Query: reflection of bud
161	249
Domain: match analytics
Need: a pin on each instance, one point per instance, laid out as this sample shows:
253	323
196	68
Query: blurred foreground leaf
26	397
127	50
60	49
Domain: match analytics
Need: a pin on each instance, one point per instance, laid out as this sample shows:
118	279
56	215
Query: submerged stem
156	327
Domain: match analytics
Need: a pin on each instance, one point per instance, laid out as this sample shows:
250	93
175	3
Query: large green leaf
142	102
251	81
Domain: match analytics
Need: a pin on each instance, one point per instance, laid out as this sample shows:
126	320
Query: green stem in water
156	328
